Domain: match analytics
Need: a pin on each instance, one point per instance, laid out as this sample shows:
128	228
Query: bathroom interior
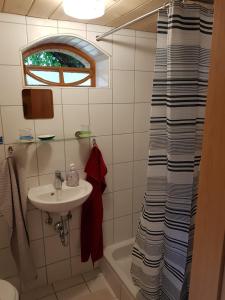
108	113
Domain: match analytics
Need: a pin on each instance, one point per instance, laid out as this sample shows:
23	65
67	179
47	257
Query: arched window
58	64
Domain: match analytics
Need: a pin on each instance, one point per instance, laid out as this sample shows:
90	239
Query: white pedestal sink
47	198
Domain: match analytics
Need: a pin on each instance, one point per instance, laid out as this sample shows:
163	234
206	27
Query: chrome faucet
58	180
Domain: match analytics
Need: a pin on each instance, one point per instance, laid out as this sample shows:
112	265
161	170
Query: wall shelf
37	141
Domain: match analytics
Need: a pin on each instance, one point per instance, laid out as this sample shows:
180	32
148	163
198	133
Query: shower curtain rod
100	37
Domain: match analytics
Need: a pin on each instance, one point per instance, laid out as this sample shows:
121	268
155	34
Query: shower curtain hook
167	4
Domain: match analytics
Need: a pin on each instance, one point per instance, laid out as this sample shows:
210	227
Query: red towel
92	209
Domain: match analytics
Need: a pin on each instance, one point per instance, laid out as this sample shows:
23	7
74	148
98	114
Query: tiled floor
88	286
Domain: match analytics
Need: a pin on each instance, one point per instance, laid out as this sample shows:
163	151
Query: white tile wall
144	55
123	228
35	224
75	221
75	242
141	117
143	86
10	76
54	250
12	121
37	32
71	25
13	37
57	95
74	116
56	124
2	152
100	95
140	173
97	28
122	176
123	52
51	157
27	158
10	18
138	196
122	203
77	32
108	233
41	22
118	116
101	119
122	148
108	206
123	86
106	145
74	96
141	145
38	252
123	118
77	151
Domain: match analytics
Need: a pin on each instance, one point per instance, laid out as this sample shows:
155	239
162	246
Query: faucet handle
58	174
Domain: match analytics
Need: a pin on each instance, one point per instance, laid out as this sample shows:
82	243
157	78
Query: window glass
32	81
59	65
47	75
71	77
54	59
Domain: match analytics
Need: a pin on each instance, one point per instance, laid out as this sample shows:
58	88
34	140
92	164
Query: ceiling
117	11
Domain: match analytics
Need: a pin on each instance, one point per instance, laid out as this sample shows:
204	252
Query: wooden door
208	253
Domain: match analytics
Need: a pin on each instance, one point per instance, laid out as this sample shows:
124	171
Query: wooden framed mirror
37	104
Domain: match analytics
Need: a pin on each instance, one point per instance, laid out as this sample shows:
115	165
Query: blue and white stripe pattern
163	248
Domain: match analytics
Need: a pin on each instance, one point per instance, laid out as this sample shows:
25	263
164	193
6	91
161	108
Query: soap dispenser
72	177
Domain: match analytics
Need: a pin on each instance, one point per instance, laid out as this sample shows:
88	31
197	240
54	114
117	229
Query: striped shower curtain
163	248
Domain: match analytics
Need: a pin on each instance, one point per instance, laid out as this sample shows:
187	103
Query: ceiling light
84	9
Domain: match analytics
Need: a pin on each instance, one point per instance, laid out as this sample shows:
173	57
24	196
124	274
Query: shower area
156	264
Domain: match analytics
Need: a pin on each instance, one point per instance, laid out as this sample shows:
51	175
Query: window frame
91	72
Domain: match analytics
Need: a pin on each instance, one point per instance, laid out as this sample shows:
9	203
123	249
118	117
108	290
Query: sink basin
47	198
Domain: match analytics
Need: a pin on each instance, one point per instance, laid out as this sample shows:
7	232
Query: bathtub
116	269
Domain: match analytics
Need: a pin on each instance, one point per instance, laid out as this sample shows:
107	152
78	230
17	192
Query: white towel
13	206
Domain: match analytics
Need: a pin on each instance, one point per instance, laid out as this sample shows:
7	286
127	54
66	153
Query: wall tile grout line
132	219
112	85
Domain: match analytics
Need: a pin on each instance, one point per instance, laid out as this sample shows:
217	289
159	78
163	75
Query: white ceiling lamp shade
84	9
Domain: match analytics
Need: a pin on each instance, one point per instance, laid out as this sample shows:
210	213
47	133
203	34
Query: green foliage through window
53	59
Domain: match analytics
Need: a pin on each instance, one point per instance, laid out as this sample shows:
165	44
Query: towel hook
94	143
10	150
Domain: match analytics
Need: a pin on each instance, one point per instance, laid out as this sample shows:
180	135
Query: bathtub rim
108	255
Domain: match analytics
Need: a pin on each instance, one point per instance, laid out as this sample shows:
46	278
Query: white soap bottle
72	177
